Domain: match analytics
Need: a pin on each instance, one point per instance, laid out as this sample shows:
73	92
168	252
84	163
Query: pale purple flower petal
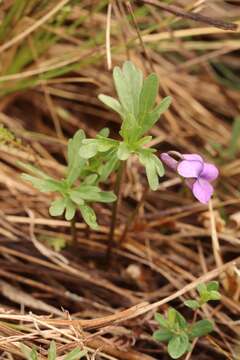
202	190
190	169
192	157
169	161
209	172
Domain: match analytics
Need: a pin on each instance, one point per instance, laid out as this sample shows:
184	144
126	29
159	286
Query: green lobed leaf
158	165
109	167
57	207
146	158
162	335
148	96
90	179
130	129
104	132
75	354
123	151
52	352
201	328
192	304
44	185
178	345
134	80
88	150
75	162
89	216
123	90
70	210
111	103
152	117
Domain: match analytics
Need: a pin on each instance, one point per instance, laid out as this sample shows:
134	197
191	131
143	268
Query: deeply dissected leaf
201	328
89	216
110	165
178	345
111	103
44	185
148	96
152	117
146	158
75	161
70	210
128	84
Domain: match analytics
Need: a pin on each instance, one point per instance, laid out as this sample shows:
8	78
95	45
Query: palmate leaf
92	194
90	147
75	162
112	163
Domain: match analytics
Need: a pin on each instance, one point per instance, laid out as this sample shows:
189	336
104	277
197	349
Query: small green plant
174	328
31	354
207	292
77	190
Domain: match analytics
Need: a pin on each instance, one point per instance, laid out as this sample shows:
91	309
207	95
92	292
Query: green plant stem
132	217
74	231
117	191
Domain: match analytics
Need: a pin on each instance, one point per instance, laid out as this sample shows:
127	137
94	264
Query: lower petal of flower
202	190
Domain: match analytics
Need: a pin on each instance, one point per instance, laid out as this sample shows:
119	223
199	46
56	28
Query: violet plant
177	332
136	107
197	173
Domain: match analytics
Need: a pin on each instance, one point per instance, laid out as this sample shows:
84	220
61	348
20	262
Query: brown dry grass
175	242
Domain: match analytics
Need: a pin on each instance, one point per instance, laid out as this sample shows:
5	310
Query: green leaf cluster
175	330
31	354
207	292
79	187
137	109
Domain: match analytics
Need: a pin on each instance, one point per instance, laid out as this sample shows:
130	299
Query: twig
108	37
132	217
117	191
190	15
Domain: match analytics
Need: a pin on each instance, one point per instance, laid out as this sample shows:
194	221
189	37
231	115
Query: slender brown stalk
74	231
132	217
117	190
190	15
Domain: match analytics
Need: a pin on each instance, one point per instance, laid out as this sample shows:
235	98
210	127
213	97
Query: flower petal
169	161
190	168
202	190
192	157
209	172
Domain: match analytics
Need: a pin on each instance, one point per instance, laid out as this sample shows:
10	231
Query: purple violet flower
197	173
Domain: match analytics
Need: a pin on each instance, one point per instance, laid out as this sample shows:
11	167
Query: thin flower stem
74	231
117	191
132	217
